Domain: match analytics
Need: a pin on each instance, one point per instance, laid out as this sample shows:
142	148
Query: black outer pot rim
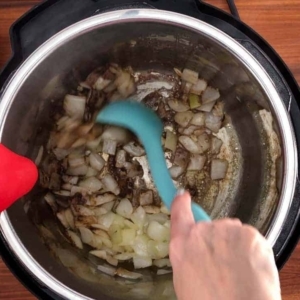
12	262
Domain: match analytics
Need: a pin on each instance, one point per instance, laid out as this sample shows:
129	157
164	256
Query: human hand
219	260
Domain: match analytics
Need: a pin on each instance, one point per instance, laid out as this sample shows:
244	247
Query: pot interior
252	195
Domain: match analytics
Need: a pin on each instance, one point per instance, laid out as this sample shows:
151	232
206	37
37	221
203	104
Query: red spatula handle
18	175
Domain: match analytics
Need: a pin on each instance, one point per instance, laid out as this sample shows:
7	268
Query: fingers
181	215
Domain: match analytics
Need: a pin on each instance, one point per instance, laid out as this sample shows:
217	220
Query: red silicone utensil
18	175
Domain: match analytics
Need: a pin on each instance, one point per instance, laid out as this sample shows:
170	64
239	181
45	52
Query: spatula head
148	127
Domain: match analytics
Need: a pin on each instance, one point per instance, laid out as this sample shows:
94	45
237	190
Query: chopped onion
218	169
198	119
75	239
82	210
199	87
92	184
207	107
196	163
128	275
86	235
109	147
158	232
96	161
141	262
101	83
190	76
107	270
161	263
163	272
103	234
61	216
76	161
128	237
139	216
158	250
39	156
212	122
62	122
151	209
111	260
77	171
125	84
210	95
189	130
178	106
118	134
102	199
124	208
203	142
186	87
160	218
62	193
133	149
110	184
171	141
61	153
146	198
140	245
91	172
215	145
69	218
107	219
189	144
194	101
78	143
99	253
124	256
181	157
93	144
183	118
108	206
77	189
98	211
75	106
176	171
49	198
120	158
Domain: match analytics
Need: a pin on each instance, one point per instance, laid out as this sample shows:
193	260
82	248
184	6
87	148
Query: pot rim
176	19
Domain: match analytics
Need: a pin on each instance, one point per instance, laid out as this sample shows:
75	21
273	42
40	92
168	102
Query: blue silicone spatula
147	126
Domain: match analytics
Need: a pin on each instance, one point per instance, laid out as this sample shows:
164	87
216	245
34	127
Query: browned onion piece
199	87
178	106
75	106
198	119
212	122
215	145
210	95
189	144
189	76
176	171
196	162
109	147
203	142
146	198
207	107
183	118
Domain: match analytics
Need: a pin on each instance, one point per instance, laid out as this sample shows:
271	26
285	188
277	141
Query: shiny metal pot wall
262	187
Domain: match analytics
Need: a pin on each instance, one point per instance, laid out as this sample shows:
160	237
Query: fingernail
180	192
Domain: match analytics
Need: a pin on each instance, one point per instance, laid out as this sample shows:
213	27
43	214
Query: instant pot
60	41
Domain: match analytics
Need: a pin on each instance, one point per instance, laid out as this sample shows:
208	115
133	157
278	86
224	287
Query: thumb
181	215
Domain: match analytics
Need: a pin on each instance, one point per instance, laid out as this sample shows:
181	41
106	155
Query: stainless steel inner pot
261	192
